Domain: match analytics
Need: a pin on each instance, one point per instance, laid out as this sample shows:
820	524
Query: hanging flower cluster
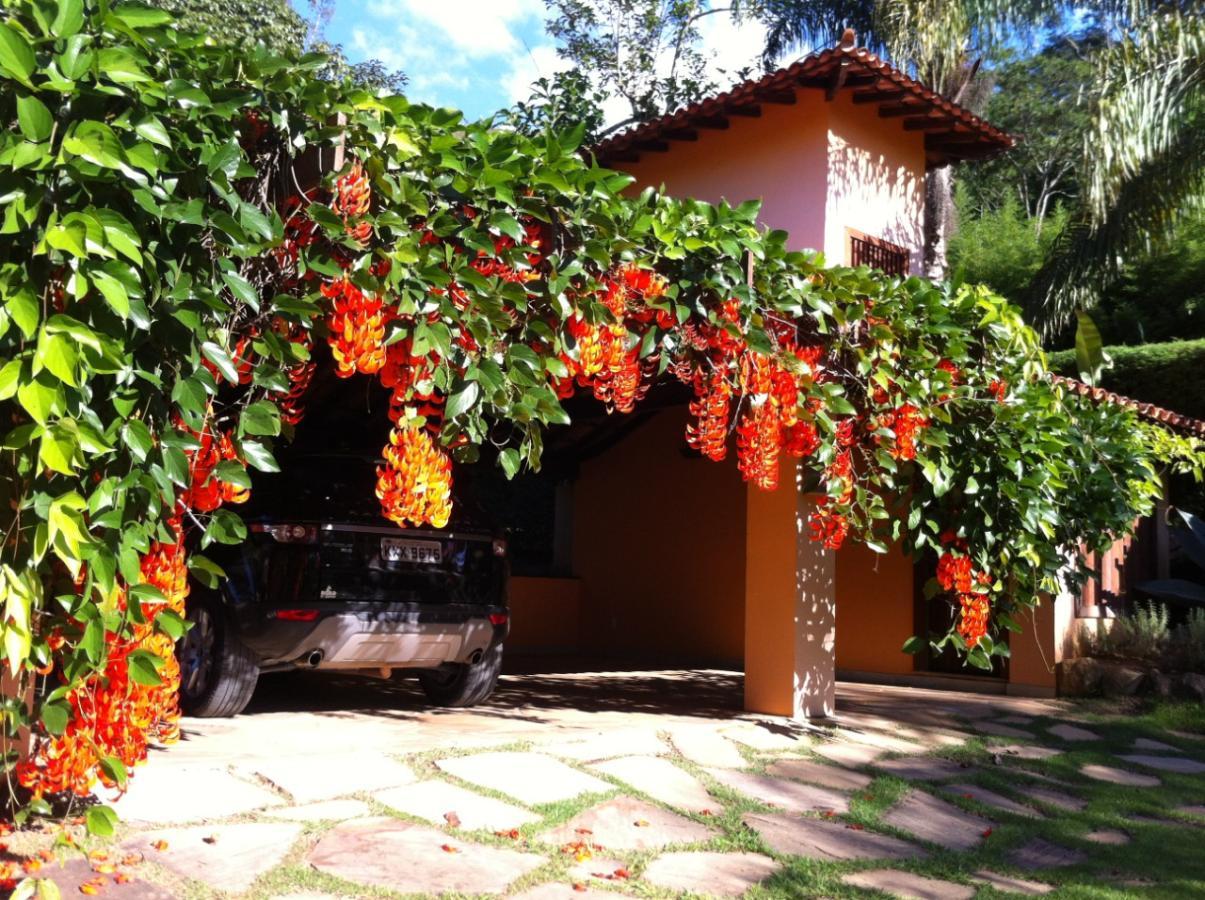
415	484
117	711
956	575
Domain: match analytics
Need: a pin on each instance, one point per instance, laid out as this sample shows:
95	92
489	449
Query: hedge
1171	375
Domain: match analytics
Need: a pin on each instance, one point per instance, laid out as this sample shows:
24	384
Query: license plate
397	550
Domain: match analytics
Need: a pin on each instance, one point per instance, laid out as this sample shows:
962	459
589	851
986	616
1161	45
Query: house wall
874	610
658	545
876	180
779	158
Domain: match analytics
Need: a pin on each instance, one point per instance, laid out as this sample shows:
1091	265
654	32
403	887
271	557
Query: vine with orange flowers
184	242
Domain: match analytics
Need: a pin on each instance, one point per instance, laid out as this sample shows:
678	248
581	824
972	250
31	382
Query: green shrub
1142	633
1168	375
1190	640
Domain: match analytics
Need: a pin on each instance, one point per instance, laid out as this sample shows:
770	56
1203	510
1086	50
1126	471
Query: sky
481	55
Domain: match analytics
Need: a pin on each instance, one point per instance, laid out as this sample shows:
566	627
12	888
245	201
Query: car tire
217	671
463	684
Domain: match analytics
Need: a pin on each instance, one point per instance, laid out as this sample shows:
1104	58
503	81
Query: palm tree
941	42
1143	162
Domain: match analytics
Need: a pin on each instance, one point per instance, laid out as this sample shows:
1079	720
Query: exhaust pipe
475	657
314	659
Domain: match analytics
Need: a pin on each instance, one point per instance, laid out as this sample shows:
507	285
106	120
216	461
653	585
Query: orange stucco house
836	147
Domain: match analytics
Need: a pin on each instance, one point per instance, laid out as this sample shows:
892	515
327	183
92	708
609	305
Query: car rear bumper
355	641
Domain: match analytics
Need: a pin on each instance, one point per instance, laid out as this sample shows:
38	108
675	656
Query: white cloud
475	27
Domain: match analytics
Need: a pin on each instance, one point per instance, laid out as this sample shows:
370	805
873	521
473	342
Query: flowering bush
180	229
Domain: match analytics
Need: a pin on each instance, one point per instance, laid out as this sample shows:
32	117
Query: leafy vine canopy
186	231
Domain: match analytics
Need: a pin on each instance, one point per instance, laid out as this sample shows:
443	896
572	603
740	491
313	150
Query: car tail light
499	547
297	615
289	534
499	618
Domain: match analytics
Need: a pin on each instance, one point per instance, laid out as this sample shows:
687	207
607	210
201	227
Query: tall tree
645	51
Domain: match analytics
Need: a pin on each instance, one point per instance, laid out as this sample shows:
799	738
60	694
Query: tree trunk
939	213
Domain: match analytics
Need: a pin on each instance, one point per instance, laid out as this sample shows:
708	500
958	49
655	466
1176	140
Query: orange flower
415	484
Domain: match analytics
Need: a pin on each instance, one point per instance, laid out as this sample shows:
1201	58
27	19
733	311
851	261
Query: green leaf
171	624
152	130
463	400
55	717
101	821
205	570
262	418
58	354
114	293
242	289
220	358
509	460
69	237
115	769
39	396
143	16
231	472
93	641
15	54
69	18
34	118
57	450
259	456
1089	349
138	438
144	668
95	142
225	528
913	645
23	306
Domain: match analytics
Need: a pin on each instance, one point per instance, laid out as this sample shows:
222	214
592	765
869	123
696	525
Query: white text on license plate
395	550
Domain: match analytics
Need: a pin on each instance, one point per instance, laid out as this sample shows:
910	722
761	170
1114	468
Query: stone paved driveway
647	784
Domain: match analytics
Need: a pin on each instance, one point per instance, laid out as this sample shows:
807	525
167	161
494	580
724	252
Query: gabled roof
951	132
1148	411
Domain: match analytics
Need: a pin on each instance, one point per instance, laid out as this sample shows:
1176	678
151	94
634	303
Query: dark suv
324	582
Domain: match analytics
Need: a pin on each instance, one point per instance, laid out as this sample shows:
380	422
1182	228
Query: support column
790	606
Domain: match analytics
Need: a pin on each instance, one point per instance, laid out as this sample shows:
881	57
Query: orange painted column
790	606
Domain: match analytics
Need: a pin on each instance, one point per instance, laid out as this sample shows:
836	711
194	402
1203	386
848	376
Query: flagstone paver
625	823
306	779
1157	746
607	745
226	857
1073	732
998	730
1052	797
908	885
1011	884
725	874
991	798
936	821
1026	751
661	780
448	804
528	777
886	742
323	810
849	754
818	773
1119	776
597	868
764	737
922	768
1110	837
196	793
782	793
1178	764
1041	854
69	875
411	859
704	746
826	839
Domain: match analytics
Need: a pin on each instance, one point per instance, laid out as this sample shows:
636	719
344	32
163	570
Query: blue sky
481	55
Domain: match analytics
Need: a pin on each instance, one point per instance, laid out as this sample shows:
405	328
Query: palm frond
1143	163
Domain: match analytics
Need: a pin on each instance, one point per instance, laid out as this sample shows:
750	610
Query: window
865	250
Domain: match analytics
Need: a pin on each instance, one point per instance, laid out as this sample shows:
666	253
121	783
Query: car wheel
217	671
461	684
